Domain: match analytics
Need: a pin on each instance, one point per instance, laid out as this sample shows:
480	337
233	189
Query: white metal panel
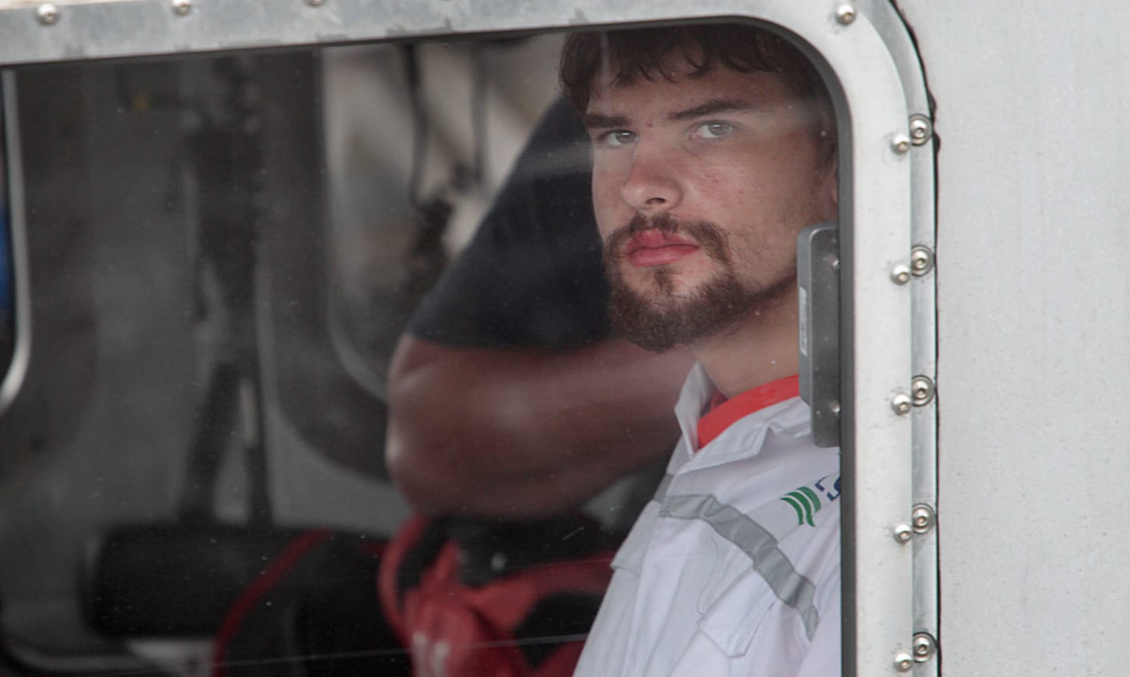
1033	318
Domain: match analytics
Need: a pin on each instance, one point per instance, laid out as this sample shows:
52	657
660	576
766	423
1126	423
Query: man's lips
656	248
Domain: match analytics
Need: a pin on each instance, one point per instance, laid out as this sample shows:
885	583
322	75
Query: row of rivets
921	263
922	391
921	131
922	520
922	388
923	649
48	13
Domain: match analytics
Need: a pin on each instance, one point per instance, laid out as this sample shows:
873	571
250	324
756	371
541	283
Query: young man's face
700	187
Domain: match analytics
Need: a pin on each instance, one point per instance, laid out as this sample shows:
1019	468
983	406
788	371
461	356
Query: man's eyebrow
602	121
710	108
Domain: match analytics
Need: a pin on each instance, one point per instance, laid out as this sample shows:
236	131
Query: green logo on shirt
805	502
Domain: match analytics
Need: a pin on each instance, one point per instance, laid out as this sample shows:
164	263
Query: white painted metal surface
1033	308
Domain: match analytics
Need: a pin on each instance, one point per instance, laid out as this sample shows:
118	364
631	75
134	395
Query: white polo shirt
734	568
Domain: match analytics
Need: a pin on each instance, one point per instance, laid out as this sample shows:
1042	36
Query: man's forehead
688	91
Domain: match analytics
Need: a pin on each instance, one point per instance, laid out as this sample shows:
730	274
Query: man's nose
652	183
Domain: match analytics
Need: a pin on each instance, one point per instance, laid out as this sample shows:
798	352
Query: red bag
475	599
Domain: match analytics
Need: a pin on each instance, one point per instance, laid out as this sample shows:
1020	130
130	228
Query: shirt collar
715	421
698	390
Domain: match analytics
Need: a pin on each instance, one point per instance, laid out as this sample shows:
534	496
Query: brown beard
660	320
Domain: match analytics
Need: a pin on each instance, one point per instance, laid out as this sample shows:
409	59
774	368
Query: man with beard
712	148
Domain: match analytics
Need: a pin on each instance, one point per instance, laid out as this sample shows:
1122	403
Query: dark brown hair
647	52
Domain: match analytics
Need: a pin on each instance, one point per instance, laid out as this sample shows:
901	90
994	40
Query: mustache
706	234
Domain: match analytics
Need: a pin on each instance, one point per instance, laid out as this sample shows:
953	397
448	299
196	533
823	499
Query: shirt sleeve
532	275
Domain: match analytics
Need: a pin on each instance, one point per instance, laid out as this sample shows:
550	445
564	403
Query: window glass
406	195
287	304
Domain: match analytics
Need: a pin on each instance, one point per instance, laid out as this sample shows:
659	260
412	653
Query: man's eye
714	130
617	138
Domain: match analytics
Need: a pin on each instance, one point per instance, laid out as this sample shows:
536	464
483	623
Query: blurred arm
525	433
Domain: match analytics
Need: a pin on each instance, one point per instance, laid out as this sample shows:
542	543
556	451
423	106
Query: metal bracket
818	279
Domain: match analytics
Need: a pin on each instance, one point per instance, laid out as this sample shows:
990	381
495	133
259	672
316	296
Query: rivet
315	3
47	14
903	662
924	647
845	14
835	408
903	533
901	404
922	518
922	390
182	7
921	260
900	143
921	129
900	274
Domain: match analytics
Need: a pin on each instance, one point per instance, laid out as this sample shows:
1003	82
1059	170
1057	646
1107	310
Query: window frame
888	335
16	370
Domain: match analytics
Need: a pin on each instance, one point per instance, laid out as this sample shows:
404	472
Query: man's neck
755	351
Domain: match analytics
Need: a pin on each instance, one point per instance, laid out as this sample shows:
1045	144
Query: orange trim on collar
720	417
